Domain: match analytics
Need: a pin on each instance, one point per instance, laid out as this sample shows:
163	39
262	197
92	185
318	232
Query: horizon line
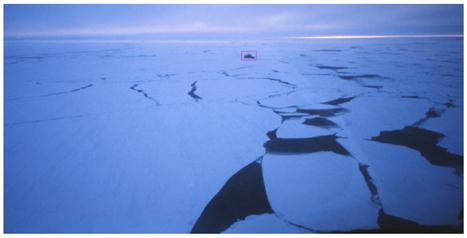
377	36
325	37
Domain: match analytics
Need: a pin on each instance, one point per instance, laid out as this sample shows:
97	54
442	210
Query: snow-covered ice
330	188
169	136
263	224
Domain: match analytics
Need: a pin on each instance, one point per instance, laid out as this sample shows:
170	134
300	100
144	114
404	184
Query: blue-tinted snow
263	224
410	187
296	129
454	117
330	188
105	136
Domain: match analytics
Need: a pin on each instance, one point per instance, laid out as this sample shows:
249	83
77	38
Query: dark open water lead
241	196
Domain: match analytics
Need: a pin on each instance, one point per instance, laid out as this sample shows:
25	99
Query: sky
211	21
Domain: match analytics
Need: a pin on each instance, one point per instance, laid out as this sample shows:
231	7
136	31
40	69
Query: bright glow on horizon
375	36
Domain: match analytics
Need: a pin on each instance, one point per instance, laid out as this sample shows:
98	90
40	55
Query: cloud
277	23
279	19
194	27
268	20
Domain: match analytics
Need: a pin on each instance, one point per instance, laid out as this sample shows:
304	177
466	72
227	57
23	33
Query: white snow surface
139	136
330	188
409	186
266	223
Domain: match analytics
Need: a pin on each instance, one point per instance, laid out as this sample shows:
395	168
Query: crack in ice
134	88
51	94
192	92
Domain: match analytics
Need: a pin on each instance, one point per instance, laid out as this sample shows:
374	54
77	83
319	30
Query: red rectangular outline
241	55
